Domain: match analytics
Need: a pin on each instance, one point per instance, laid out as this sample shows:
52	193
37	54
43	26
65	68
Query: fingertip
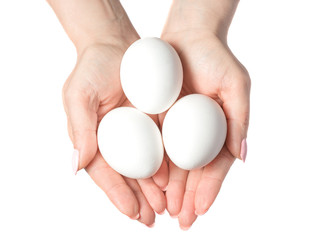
174	207
200	212
164	189
187	214
151	225
162	213
136	217
186	220
174	213
147	216
237	111
82	124
203	201
153	194
244	148
175	190
201	205
115	187
184	228
130	208
161	210
86	144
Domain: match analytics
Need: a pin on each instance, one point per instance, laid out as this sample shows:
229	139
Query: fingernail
136	217
150	226
75	161
243	153
200	213
165	188
174	216
184	228
161	213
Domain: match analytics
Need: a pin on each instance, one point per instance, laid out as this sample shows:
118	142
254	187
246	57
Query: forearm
89	22
208	15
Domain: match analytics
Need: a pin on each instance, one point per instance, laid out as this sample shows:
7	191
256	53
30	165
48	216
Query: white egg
130	142
194	131
151	75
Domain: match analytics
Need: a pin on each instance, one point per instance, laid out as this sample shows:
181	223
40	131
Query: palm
96	80
104	78
209	68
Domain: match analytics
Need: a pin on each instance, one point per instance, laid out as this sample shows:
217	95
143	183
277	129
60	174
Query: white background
274	195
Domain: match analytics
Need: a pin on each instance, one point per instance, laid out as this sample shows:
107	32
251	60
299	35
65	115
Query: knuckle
64	89
67	92
243	79
70	94
190	191
75	95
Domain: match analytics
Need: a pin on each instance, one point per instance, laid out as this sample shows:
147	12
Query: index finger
211	181
113	184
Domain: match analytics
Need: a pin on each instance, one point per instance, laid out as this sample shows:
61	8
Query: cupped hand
209	68
91	91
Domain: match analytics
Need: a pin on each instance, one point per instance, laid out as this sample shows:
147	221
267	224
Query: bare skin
199	36
101	32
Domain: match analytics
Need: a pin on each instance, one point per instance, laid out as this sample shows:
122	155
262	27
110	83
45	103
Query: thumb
81	109
236	105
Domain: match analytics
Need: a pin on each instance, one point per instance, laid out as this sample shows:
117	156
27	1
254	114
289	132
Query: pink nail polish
75	161
243	153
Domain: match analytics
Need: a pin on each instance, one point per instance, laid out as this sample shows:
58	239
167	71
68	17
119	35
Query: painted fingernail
184	228
75	161
136	217
243	153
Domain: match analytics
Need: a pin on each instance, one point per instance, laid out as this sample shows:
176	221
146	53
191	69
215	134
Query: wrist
211	16
120	35
113	28
91	22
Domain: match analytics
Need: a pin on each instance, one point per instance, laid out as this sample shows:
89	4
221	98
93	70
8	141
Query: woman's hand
210	68
92	90
102	32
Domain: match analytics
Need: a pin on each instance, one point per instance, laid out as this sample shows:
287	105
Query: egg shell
194	131
130	142
151	75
